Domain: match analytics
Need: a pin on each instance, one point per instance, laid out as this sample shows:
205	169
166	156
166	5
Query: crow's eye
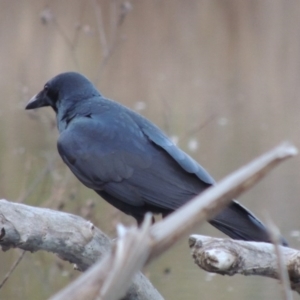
46	88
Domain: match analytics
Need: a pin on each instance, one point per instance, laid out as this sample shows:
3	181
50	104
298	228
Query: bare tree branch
110	277
230	257
71	237
32	228
282	270
101	29
13	267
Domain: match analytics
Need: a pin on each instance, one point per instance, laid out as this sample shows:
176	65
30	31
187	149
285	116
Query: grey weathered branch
283	275
110	277
230	257
41	233
71	237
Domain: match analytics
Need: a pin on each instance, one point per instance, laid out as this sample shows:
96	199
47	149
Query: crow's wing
116	155
100	151
183	159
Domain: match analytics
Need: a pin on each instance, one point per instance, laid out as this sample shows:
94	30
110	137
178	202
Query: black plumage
128	160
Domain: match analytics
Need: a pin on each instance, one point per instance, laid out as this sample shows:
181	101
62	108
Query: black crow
129	161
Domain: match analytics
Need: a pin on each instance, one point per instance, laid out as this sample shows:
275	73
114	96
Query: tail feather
239	223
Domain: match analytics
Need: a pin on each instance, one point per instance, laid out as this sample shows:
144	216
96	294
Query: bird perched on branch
128	160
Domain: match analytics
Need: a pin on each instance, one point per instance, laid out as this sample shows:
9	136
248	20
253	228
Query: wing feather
138	168
183	159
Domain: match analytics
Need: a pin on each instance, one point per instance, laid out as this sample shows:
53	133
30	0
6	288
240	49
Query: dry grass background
221	76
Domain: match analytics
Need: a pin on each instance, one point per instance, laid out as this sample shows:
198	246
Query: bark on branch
71	237
114	271
230	257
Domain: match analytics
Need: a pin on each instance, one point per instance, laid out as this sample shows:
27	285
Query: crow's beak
39	100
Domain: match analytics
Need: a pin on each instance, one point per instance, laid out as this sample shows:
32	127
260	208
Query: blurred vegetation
221	77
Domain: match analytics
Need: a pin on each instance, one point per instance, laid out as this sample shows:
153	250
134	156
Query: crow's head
68	86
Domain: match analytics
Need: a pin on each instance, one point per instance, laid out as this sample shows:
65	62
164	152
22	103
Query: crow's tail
239	223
